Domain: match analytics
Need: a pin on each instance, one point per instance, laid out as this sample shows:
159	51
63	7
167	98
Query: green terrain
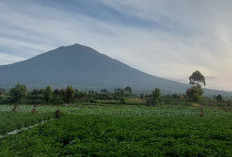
118	130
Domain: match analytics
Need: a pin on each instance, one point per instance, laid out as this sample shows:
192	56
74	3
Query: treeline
21	95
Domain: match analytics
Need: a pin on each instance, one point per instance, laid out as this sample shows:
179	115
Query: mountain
84	68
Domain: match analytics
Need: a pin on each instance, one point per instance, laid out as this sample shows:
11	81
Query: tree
35	97
57	93
122	100
92	94
69	94
2	91
118	93
18	92
36	92
175	96
105	94
81	95
47	93
197	79
195	92
142	96
58	97
154	98
104	91
219	97
156	95
128	91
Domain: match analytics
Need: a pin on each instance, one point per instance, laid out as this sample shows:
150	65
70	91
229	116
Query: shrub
57	101
92	100
122	101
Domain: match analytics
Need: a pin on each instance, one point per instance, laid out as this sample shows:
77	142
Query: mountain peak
82	67
77	48
76	45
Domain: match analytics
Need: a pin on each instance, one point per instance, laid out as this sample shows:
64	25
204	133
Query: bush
219	98
92	100
122	101
57	101
6	100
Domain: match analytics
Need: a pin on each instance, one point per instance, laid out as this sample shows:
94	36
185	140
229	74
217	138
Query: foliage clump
219	98
197	79
18	92
69	94
155	98
122	100
195	93
47	93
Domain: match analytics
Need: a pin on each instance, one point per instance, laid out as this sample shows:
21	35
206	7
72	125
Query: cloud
170	39
6	58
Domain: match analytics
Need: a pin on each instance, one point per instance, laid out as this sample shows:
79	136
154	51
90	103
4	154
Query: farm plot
99	131
138	110
10	121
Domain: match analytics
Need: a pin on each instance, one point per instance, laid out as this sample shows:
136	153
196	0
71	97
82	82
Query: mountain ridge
85	68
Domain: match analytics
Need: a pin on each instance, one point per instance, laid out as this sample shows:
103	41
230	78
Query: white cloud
6	58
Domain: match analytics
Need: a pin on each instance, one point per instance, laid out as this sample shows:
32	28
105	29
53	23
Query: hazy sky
166	38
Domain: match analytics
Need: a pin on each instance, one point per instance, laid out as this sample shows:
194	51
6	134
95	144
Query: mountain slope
81	67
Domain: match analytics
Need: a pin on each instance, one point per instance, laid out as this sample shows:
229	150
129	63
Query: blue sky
166	38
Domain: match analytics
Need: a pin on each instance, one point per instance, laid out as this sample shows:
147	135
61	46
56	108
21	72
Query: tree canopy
18	92
196	92
197	79
156	96
219	97
48	94
69	94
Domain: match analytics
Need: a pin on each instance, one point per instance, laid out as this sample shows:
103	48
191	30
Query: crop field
121	130
11	121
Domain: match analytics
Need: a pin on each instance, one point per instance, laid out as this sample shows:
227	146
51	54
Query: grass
125	130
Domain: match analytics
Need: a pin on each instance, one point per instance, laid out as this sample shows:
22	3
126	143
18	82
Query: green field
10	121
122	130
